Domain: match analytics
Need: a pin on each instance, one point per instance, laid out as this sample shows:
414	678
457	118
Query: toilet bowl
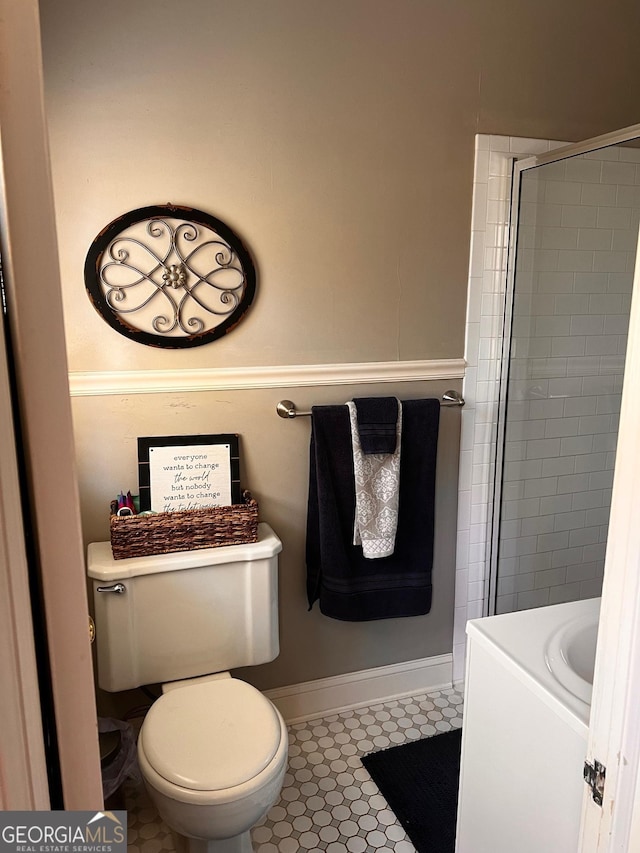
213	757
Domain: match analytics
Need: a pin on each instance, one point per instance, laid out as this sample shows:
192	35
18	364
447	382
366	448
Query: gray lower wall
274	455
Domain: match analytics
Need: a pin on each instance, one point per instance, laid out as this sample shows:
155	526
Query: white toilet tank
173	616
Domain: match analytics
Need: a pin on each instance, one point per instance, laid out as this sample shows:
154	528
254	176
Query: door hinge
594	775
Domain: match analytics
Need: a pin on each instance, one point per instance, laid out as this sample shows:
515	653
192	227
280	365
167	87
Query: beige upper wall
335	137
557	70
307	128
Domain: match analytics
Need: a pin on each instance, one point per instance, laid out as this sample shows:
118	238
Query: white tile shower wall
560	448
487	274
578	227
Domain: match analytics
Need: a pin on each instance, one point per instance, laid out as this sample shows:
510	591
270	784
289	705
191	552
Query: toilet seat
212	741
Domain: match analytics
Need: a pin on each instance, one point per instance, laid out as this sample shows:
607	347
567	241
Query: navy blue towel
347	585
377	423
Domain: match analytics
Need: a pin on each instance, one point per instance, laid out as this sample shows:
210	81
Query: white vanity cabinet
524	736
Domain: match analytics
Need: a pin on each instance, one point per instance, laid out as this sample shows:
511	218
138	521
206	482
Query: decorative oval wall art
170	276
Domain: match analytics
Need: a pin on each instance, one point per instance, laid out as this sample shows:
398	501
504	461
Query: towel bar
287	409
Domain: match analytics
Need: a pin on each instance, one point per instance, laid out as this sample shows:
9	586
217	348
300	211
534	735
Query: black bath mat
419	780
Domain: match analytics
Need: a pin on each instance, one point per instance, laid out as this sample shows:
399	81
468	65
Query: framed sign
178	472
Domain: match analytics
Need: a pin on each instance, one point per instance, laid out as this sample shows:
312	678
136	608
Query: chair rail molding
113	382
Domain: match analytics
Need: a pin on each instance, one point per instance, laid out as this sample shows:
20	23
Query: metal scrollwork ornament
170	276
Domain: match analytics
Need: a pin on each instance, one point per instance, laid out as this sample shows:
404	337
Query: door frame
39	367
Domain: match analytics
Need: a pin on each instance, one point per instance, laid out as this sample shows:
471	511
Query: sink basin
570	655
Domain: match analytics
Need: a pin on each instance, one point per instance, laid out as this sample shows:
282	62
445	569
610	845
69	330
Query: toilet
212	749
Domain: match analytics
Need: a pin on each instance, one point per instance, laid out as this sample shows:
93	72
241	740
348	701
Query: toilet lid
212	735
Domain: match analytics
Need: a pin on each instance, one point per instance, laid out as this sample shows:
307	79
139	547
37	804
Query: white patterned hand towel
377	477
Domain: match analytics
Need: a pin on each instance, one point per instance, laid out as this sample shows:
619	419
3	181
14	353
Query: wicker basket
184	530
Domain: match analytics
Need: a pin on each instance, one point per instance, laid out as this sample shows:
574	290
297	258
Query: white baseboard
310	699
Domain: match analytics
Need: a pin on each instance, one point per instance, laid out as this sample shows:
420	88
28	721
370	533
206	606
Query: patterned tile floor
328	801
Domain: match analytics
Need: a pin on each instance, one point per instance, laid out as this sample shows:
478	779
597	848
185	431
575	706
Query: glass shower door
569	298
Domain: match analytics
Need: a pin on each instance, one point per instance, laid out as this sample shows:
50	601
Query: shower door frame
614	730
518	167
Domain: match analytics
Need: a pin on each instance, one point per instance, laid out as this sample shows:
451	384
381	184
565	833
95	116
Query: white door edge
614	733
